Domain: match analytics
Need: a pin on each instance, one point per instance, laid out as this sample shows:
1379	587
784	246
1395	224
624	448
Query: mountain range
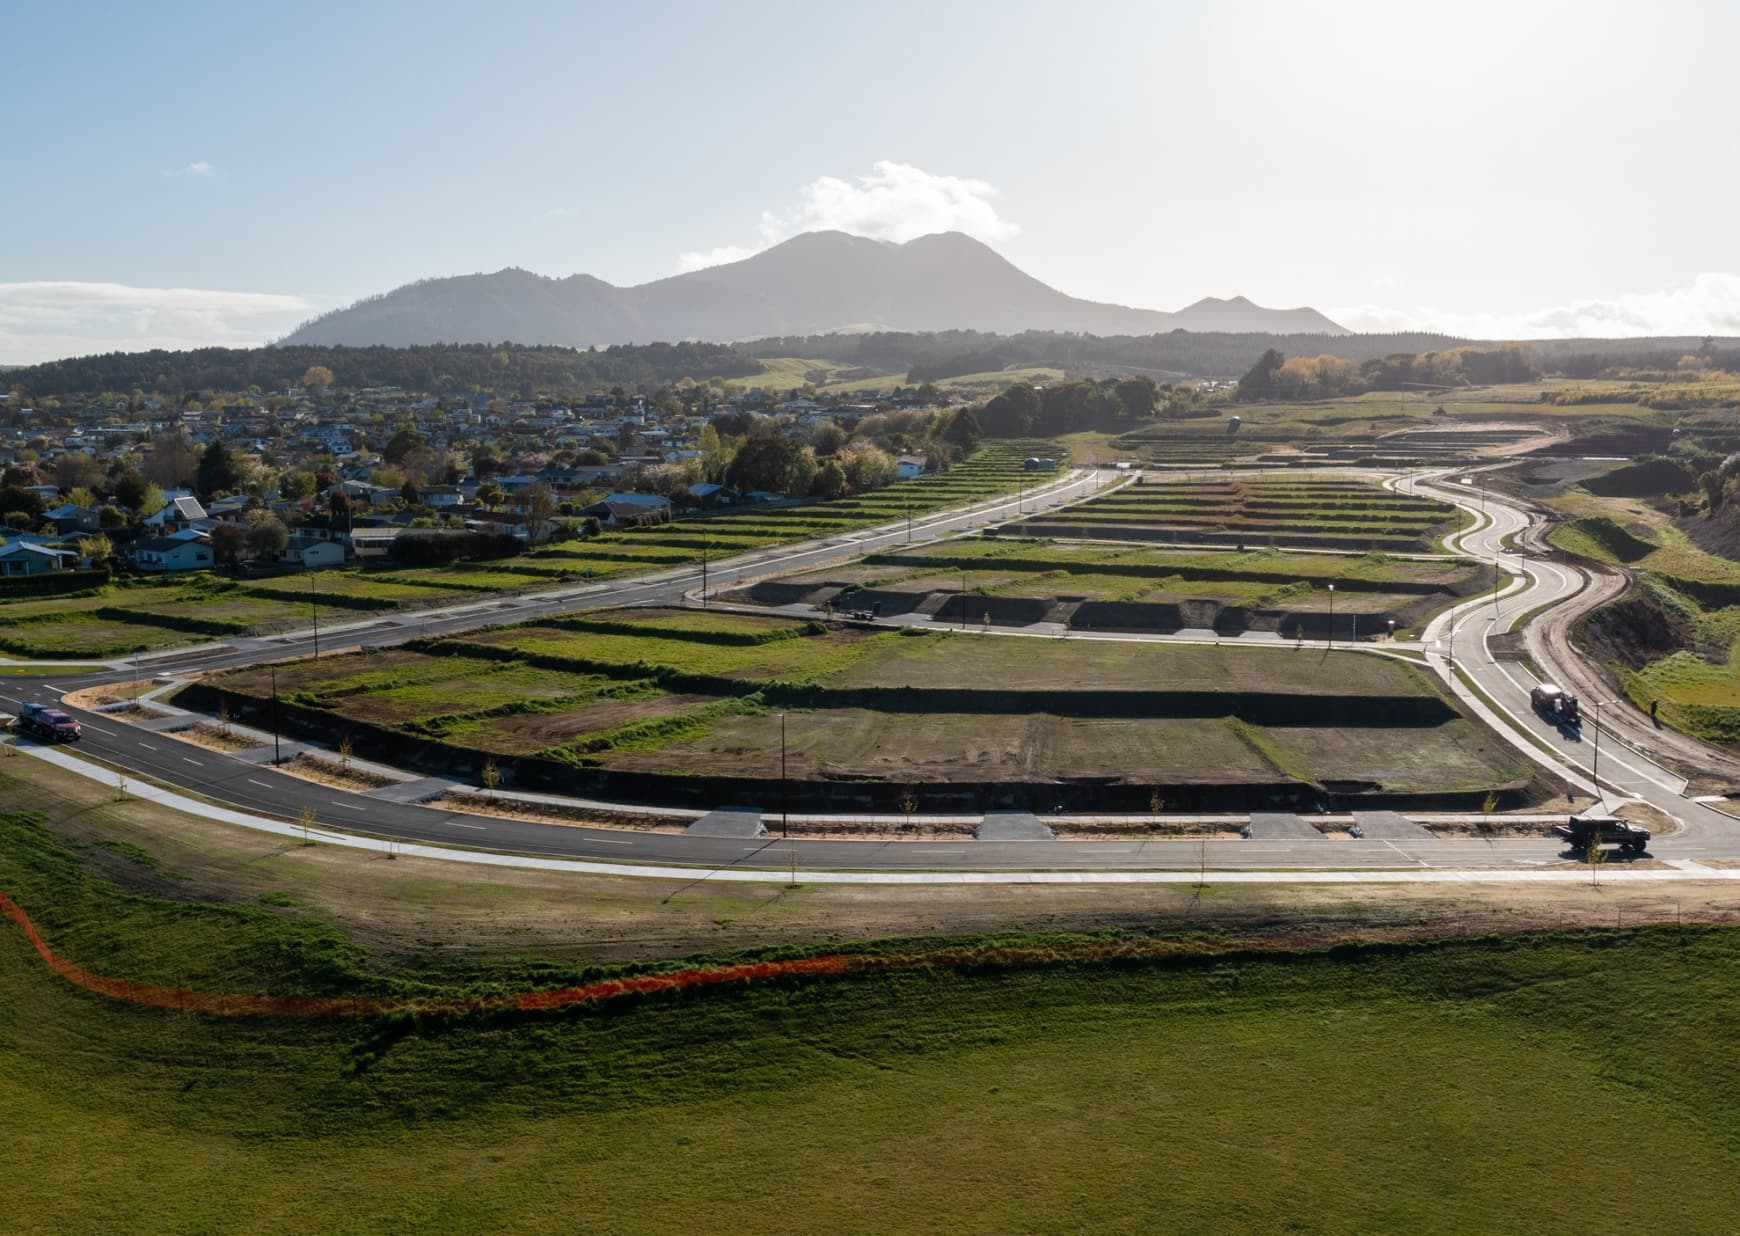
817	283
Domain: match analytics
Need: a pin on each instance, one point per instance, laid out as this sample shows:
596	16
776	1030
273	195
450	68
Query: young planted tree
491	777
909	804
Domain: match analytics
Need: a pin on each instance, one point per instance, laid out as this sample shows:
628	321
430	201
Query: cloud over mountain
895	202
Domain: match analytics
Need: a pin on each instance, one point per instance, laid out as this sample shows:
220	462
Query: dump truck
1556	704
1584	831
47	724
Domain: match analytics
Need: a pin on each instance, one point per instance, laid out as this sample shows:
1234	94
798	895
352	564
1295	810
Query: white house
373	542
312	554
180	510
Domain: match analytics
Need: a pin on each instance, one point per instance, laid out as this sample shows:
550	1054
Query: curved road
1455	645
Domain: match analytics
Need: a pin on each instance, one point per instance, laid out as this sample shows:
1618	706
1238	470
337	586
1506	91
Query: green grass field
1544	1083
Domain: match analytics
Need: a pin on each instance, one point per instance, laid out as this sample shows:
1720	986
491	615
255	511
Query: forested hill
901	357
939	355
438	367
511	368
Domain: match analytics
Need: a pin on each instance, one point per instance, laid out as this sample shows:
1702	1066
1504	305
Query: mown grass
1537	1084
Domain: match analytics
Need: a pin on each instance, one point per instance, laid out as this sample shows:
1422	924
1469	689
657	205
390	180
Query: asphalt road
1460	634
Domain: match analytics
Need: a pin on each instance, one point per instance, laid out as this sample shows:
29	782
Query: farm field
1089	585
149	615
1393	428
682	698
1322	514
1201	1070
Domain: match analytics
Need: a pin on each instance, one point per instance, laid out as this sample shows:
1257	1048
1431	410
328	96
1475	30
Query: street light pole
1595	770
963	599
703	575
1331	613
277	756
314	601
784	796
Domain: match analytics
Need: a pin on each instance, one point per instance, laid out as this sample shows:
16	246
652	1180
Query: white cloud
47	320
1708	305
199	167
896	202
714	257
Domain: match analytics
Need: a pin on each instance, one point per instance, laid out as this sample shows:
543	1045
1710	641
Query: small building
312	554
28	558
709	495
70	517
373	542
164	553
909	467
623	510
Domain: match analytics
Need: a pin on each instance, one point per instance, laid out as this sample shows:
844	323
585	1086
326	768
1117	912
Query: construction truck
1585	831
47	724
1555	704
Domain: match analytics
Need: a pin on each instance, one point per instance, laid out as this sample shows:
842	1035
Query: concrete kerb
60	758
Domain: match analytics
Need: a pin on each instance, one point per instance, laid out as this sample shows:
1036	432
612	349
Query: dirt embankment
1717	534
1634	631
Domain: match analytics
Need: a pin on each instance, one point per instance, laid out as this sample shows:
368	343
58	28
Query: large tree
1011	414
1259	379
267	536
171	460
964	431
217	472
771	461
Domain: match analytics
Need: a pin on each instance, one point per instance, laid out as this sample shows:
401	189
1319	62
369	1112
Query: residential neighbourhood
311	477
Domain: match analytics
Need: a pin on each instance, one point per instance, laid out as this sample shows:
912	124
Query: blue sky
1536	168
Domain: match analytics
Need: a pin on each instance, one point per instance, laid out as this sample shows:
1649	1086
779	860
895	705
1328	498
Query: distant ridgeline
903	357
506	368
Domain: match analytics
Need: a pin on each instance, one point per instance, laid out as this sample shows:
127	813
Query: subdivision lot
1322	514
687	695
1091	585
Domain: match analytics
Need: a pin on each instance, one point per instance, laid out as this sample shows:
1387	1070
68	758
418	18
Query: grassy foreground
1546	1083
